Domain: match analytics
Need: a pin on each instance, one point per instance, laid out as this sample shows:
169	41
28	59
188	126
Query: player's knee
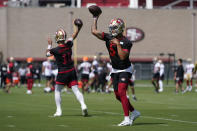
58	88
118	97
122	93
122	88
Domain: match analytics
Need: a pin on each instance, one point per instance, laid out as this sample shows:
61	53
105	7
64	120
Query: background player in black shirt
9	77
3	72
179	76
66	71
119	48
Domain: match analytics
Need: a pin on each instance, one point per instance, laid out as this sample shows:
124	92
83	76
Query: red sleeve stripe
59	83
103	35
72	83
125	50
67	71
61	45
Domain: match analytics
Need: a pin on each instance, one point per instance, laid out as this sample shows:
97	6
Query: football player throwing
66	71
119	48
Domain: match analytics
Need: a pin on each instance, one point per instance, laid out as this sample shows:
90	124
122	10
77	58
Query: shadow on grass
79	115
143	123
90	115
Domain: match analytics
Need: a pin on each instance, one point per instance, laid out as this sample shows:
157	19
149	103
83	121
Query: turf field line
11	126
158	118
150	85
10	116
170	104
62	125
151	102
114	113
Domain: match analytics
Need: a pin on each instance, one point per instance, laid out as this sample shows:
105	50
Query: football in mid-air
95	10
78	22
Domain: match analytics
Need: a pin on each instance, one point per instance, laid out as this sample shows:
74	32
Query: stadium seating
114	3
2	3
160	3
142	3
45	2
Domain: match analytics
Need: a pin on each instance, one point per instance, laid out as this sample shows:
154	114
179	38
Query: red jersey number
112	51
66	58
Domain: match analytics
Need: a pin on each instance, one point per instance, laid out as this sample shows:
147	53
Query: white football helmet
116	26
60	35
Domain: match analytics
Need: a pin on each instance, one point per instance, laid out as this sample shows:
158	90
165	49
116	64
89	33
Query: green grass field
166	111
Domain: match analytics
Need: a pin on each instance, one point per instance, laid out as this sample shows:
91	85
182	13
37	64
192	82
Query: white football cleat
187	89
135	114
190	89
127	96
184	91
47	89
57	114
29	92
125	123
85	112
160	89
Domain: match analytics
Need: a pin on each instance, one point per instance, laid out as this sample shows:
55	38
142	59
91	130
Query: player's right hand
96	17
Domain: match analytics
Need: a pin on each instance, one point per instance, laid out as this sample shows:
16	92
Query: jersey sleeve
193	66
90	65
106	36
79	67
127	46
52	51
69	42
43	64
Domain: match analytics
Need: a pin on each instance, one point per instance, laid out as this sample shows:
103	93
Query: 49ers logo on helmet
60	35
134	34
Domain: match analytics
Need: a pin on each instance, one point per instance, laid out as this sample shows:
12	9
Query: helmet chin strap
114	34
117	35
60	42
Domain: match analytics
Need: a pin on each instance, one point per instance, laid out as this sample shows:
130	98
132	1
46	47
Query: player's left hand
115	41
49	41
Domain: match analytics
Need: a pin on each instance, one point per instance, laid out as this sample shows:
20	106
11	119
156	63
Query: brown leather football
78	22
95	10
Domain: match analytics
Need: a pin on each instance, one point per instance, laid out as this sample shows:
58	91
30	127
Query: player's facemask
60	35
116	27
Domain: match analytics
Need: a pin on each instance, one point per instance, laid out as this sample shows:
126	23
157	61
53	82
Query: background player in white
161	75
85	68
132	83
95	61
66	71
189	68
22	72
47	72
155	78
93	76
108	78
54	72
195	75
